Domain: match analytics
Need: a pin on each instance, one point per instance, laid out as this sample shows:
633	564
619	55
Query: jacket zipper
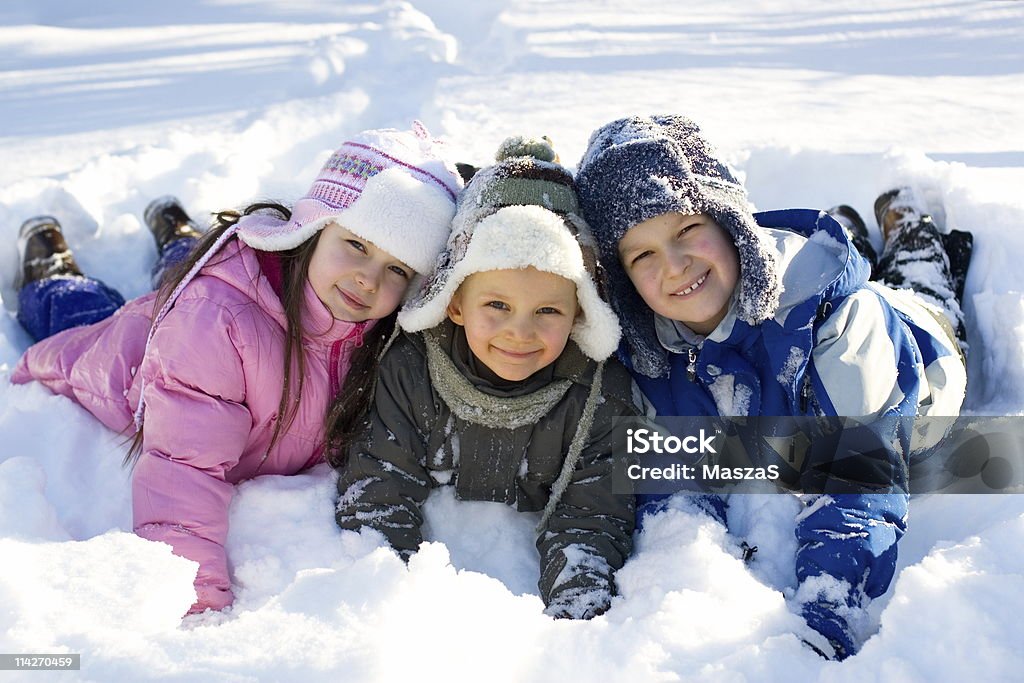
335	368
334	371
805	394
824	310
691	366
334	375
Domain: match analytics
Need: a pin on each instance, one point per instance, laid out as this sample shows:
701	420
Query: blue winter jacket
835	346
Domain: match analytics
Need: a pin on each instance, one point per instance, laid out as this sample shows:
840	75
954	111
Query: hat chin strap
572	457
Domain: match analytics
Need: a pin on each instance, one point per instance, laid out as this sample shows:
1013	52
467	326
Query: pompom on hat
520	212
640	167
387	186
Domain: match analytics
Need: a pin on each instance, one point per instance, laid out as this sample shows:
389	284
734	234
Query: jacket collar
572	364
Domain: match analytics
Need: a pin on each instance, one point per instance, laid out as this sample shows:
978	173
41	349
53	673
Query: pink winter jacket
213	382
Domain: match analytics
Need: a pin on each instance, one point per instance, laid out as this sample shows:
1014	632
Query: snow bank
224	103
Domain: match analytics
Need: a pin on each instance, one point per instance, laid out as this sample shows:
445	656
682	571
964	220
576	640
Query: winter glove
712	504
832	638
585	602
577	583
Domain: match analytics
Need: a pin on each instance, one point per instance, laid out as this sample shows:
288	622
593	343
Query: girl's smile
353	301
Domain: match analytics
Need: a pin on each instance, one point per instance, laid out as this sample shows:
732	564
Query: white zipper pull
691	366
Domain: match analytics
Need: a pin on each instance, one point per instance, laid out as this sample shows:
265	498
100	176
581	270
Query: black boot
168	222
855	228
44	252
959	247
900	205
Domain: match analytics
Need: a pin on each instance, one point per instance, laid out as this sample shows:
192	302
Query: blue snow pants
54	304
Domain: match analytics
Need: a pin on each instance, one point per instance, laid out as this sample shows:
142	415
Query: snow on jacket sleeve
867	365
383	483
590	534
196	425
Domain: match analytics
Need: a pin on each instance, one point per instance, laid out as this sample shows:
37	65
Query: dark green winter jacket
441	422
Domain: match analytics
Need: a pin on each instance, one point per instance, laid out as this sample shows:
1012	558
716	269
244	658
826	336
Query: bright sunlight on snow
107	105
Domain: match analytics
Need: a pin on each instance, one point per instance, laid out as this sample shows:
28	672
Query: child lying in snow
500	386
243	349
728	313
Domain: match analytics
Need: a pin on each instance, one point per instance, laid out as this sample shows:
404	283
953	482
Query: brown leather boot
168	221
43	251
897	208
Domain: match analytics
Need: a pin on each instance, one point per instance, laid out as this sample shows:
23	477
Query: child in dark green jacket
502	386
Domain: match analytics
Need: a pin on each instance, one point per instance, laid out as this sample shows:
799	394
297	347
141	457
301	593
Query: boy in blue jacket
725	313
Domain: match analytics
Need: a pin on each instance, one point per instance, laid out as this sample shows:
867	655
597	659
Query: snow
109	105
793	362
729	398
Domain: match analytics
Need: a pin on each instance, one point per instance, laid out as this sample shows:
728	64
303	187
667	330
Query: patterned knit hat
521	212
641	167
387	186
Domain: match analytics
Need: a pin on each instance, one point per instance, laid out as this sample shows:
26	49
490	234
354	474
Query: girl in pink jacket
229	370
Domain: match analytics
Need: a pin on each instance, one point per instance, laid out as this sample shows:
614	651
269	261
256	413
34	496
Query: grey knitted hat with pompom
521	212
641	167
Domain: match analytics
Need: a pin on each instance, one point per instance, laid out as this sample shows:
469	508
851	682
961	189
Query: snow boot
168	222
856	230
43	251
913	240
898	208
959	247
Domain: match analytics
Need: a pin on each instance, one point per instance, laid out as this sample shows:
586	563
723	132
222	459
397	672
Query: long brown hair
294	267
347	413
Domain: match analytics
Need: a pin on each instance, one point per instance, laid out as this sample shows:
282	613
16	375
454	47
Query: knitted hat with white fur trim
521	212
387	186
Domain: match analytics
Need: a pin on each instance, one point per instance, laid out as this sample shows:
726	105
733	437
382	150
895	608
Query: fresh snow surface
106	105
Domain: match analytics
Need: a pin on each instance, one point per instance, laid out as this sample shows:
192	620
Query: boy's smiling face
517	321
684	266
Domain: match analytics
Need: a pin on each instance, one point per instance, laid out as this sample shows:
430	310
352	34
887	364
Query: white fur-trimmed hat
387	186
519	213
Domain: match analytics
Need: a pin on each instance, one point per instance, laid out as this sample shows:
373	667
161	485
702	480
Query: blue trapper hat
637	168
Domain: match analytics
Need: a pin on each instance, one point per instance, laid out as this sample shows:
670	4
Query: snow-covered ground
106	105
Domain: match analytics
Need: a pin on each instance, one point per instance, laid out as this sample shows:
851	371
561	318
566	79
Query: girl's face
684	266
517	321
354	279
